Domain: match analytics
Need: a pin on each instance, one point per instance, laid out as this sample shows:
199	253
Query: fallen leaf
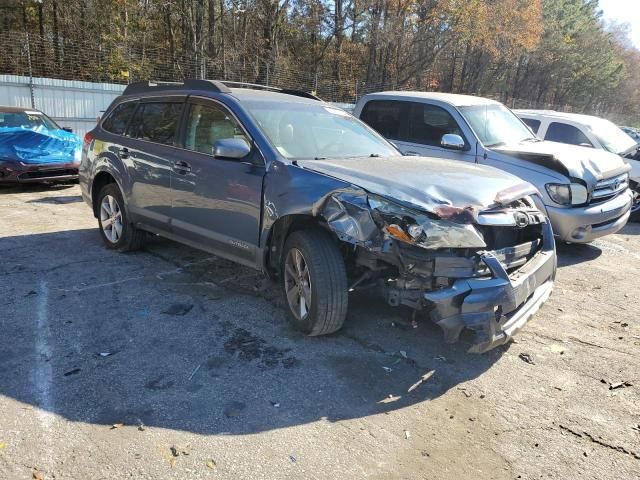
211	463
116	425
172	462
38	475
2	445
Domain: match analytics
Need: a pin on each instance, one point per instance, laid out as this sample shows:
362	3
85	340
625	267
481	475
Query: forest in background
528	53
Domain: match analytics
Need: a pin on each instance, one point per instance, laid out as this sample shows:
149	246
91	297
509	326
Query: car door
217	201
150	154
416	128
564	133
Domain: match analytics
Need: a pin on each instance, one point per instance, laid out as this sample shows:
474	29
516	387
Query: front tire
314	282
117	232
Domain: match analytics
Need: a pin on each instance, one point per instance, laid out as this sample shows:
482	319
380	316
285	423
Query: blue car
34	149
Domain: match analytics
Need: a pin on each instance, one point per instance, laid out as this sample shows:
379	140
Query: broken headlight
420	229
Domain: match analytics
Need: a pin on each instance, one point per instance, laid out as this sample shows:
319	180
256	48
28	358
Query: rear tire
117	232
314	282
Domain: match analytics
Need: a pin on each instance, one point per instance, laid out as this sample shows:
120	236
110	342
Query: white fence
71	104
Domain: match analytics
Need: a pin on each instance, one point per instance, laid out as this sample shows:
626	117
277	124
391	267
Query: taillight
88	137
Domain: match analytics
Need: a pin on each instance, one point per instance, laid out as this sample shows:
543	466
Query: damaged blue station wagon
290	185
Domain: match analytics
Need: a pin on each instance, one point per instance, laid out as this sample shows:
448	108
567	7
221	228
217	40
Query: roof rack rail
286	91
218	86
147	86
254	86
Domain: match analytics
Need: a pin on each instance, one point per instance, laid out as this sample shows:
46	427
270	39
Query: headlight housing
418	229
567	193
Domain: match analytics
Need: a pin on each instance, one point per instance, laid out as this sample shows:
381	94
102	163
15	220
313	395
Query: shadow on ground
173	338
575	253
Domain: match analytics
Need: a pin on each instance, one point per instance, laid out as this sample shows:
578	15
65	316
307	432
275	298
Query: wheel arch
99	181
281	229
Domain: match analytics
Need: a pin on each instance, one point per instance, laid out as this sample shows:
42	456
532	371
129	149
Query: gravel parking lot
171	363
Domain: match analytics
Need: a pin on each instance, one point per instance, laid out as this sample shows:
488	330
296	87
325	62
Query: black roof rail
253	86
286	91
148	86
300	93
218	86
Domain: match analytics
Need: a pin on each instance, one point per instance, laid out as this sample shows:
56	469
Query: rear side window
387	117
118	119
565	133
428	124
533	124
156	122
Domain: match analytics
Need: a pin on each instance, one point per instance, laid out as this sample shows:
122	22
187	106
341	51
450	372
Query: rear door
151	154
217	201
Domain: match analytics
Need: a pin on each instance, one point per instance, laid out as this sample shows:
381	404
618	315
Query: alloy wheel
297	284
111	218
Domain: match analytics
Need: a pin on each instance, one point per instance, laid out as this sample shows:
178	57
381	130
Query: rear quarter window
118	119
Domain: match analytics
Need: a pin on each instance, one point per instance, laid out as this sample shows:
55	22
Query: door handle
181	167
123	152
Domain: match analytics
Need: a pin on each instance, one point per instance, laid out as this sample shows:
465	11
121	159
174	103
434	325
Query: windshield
316	131
27	119
496	125
611	136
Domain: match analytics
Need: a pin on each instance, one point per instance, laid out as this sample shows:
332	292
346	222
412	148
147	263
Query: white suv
588	131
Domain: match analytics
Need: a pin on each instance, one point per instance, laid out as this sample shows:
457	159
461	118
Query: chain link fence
50	57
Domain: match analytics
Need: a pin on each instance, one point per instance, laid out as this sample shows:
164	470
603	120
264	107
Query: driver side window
429	124
206	124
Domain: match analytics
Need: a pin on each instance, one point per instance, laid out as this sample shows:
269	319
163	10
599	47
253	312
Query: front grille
513	245
58	172
609	188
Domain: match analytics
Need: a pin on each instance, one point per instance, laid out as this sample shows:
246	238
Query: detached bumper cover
496	307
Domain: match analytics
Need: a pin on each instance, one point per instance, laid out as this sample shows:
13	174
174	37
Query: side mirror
235	148
67	129
452	142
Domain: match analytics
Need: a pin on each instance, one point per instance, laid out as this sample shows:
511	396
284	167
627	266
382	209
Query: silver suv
585	191
284	183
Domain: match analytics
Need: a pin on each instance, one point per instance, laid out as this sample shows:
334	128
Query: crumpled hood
589	164
39	145
423	182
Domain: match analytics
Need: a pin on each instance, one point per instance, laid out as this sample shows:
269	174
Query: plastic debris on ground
527	357
422	379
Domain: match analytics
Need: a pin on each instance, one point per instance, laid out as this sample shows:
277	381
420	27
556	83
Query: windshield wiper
373	155
319	158
531	139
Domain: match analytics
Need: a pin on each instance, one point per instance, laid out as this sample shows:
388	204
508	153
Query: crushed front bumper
495	307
